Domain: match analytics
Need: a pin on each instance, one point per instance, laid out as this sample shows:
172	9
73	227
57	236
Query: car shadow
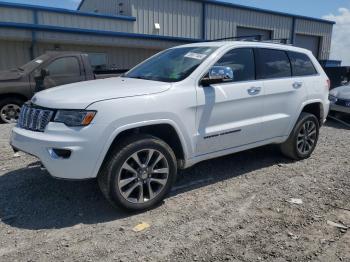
343	124
31	199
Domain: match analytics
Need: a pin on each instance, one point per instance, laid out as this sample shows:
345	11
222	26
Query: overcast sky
336	10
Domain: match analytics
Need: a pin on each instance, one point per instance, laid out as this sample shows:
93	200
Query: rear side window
272	64
242	63
301	64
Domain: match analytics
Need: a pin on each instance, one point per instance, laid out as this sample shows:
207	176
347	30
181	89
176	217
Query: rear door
283	94
64	70
230	114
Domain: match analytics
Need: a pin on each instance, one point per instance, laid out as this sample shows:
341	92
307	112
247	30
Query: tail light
329	84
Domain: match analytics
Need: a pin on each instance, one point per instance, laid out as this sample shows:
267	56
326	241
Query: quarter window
242	63
272	64
301	64
64	66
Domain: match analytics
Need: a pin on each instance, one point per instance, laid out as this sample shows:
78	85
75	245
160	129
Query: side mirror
41	74
44	72
218	74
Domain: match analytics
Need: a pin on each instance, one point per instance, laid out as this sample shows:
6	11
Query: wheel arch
315	108
166	130
14	95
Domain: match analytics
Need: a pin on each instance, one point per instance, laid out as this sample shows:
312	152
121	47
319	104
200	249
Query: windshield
172	65
30	66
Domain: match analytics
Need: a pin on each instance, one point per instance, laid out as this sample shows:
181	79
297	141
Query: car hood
342	92
13	74
81	95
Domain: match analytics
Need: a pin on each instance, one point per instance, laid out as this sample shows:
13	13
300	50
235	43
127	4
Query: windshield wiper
139	77
20	69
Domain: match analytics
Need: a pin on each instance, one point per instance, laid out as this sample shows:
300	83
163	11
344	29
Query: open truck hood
81	95
13	74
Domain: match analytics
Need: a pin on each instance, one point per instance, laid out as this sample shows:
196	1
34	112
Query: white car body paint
210	121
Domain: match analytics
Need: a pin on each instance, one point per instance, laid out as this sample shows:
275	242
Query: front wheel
303	139
139	173
10	109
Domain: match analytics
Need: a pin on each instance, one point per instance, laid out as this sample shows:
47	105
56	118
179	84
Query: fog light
57	153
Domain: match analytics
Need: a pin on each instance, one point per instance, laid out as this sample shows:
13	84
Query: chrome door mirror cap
218	74
223	73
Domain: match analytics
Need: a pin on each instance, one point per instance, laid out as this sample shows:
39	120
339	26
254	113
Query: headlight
332	99
74	117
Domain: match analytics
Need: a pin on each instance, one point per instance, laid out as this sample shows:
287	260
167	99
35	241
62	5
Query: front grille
35	119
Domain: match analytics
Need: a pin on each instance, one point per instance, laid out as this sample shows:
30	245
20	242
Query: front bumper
341	109
84	144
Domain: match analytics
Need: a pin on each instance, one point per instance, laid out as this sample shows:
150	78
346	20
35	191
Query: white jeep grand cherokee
182	106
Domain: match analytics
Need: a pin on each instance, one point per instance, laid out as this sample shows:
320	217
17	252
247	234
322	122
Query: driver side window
241	61
64	66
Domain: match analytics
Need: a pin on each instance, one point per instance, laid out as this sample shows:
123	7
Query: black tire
290	147
9	101
108	176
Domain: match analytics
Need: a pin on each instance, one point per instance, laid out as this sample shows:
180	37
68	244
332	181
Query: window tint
64	66
301	64
272	64
242	63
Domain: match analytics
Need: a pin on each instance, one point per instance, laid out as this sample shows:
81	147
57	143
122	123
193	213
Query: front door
230	114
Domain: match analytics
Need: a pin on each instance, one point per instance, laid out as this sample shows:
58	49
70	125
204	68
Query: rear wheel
303	139
10	109
138	174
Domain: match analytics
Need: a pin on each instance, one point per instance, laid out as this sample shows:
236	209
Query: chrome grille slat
35	119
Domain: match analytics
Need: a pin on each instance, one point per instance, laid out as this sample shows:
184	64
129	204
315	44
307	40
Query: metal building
121	33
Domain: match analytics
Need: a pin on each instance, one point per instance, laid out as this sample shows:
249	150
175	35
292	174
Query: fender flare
121	129
302	106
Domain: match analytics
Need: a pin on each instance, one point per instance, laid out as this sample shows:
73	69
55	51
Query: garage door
245	31
309	42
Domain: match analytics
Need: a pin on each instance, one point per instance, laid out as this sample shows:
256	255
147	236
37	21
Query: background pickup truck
47	71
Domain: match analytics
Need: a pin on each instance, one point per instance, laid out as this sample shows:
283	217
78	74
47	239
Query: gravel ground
233	208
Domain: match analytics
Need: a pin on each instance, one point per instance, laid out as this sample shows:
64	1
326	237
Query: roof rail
254	38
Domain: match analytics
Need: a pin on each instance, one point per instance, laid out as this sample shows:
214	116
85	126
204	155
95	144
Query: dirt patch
234	208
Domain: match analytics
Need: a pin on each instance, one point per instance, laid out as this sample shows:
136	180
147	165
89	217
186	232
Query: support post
32	47
204	14
293	31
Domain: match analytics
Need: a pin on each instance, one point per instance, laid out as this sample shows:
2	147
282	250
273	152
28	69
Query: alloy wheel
10	113
143	176
307	137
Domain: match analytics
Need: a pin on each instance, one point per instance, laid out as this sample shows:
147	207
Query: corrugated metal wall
176	18
184	18
222	22
110	7
13	54
16	15
117	42
122	58
11	34
323	30
84	22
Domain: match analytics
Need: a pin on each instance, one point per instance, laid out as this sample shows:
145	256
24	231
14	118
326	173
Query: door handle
297	85
254	91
